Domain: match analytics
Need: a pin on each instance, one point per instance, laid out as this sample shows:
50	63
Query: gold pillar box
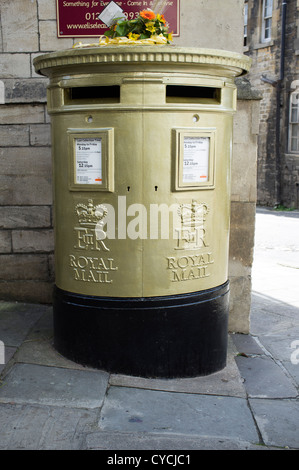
142	139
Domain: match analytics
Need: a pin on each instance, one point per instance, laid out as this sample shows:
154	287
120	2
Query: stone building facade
26	220
272	41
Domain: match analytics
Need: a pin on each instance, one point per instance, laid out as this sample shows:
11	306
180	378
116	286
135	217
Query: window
245	22
294	121
267	20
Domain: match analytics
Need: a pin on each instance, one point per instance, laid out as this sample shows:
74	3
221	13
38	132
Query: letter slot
192	94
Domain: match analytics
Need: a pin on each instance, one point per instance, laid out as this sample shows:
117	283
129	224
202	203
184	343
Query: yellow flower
134	37
151	27
169	37
161	18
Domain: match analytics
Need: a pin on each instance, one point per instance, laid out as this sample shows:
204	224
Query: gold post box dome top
141	57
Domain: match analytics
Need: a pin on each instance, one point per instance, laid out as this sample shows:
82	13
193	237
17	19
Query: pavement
50	403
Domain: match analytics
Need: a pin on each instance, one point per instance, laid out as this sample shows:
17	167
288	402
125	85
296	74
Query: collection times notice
196	159
88	161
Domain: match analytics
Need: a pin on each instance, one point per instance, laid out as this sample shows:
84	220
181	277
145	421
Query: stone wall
277	171
26	236
243	204
290	162
28	28
212	24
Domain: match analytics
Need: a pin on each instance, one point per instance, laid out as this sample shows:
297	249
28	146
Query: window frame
294	123
266	19
245	23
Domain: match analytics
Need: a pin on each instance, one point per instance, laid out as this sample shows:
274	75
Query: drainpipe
278	102
283	30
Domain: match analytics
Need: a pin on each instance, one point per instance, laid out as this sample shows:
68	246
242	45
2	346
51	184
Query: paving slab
270	317
30	427
275	270
281	346
246	344
140	411
264	378
29	383
102	440
226	382
277	421
8	354
293	370
16	320
38	346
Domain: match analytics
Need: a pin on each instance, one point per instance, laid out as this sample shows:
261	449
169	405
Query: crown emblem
193	215
90	215
192	233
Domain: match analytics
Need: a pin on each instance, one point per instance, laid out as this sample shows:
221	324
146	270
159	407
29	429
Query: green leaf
109	33
145	35
122	29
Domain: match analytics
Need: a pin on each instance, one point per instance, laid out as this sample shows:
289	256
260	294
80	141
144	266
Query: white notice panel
196	159
111	13
88	161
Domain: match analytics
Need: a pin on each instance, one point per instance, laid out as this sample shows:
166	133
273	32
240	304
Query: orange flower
148	14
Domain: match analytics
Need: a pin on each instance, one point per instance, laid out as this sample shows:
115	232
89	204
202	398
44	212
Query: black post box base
167	337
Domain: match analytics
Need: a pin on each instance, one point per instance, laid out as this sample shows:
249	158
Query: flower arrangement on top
147	28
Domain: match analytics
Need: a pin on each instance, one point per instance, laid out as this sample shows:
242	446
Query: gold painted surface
132	259
145	57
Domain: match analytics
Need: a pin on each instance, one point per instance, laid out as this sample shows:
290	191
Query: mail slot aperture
192	94
92	94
